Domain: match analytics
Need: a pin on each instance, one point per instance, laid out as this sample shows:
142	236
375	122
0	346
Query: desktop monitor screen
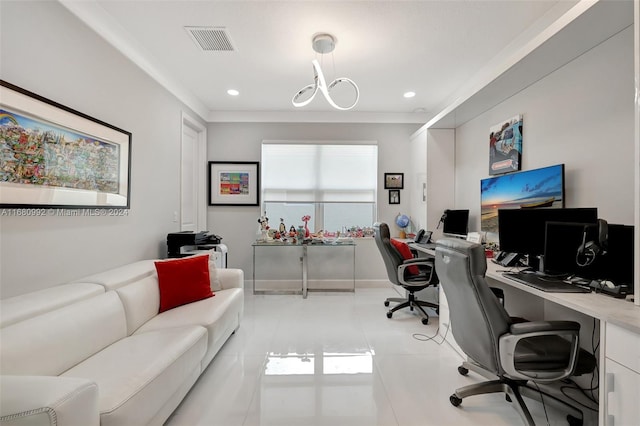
617	264
523	230
542	187
456	223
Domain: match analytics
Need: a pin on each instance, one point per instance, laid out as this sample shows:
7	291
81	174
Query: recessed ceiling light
409	94
233	92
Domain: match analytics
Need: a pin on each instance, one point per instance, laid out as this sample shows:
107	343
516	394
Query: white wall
580	115
48	51
242	142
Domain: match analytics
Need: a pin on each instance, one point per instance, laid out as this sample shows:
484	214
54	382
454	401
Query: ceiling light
323	43
233	92
409	94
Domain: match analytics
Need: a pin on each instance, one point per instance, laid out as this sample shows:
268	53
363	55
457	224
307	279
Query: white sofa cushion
27	400
122	275
220	315
139	374
141	301
51	343
18	308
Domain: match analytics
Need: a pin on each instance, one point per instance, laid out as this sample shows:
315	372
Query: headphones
589	250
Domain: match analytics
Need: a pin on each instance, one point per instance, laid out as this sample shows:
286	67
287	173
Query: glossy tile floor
336	359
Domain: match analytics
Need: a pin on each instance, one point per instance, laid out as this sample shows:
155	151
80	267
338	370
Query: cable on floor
425	338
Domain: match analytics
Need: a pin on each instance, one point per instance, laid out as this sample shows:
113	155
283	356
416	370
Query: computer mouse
607	283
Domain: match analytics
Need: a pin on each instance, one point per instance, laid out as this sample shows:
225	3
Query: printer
188	243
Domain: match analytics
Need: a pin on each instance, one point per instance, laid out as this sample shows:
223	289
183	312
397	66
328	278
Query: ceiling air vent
211	39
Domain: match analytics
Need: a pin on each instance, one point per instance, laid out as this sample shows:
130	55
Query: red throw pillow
405	251
183	281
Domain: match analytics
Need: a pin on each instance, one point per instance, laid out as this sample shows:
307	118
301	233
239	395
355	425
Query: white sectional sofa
97	351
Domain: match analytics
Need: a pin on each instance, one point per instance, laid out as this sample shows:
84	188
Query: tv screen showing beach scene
528	189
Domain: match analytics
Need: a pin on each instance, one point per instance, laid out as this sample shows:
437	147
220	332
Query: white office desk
619	334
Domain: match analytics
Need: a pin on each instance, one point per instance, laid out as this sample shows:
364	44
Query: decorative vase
301	233
306	231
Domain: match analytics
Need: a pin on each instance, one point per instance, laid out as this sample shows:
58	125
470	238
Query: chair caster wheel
454	400
508	398
425	321
574	421
386	303
463	371
389	314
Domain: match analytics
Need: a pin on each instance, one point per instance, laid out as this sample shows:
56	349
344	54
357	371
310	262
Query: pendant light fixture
323	43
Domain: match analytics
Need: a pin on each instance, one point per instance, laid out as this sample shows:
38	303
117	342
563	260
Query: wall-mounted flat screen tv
528	189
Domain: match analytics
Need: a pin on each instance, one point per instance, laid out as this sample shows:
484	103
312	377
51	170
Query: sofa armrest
231	278
47	400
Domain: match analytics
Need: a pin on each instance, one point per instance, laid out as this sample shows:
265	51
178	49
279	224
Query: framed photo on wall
394	196
56	157
234	183
394	181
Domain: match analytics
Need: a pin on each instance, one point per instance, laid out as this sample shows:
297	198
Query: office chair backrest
392	258
476	316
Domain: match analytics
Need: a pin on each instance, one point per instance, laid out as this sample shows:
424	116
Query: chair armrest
539	326
508	343
46	400
419	261
424	262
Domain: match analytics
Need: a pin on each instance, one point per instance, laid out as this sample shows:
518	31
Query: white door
192	179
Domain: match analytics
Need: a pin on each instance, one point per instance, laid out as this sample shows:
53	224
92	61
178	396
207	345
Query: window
335	184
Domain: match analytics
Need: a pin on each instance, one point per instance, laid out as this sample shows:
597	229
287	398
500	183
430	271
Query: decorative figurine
306	219
264	228
282	228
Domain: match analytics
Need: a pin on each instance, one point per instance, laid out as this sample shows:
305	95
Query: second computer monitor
523	230
455	223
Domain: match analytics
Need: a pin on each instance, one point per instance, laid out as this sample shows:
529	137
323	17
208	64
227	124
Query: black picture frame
394	181
394	196
58	158
234	183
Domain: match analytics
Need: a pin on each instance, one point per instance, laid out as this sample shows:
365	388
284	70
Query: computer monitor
561	244
617	264
523	230
543	187
455	223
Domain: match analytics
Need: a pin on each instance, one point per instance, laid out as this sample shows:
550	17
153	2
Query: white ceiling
387	47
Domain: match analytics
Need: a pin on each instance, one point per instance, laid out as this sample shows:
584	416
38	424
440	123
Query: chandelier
323	43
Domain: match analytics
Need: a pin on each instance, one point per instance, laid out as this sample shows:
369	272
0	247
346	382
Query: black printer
177	240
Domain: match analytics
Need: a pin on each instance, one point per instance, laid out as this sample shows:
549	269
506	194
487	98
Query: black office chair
518	353
400	274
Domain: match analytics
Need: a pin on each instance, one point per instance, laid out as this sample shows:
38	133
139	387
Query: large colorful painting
505	146
53	156
234	183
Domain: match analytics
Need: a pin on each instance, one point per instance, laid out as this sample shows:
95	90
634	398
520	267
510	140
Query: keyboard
551	285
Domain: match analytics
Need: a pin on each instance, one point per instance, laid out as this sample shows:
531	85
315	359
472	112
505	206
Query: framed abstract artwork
53	156
234	183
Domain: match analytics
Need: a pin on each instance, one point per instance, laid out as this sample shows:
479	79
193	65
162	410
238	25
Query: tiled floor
335	359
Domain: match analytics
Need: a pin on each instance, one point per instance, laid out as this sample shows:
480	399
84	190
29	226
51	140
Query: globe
402	220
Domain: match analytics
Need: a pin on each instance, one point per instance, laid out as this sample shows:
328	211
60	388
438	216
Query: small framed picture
394	196
394	181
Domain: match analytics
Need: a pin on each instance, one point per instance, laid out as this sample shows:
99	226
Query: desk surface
605	308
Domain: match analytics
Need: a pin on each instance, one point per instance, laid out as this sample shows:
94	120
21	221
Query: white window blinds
319	173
